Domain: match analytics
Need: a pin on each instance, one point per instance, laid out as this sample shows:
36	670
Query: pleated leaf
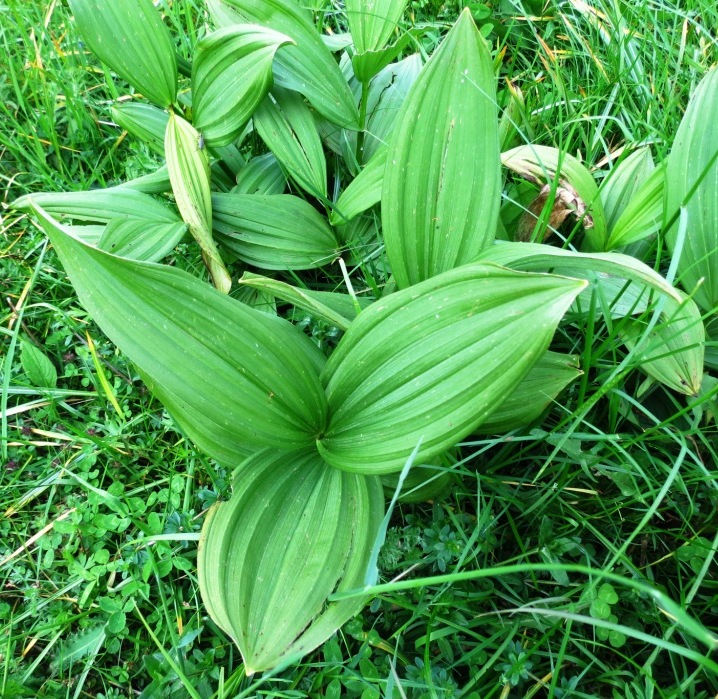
231	75
294	531
541	163
673	353
623	182
140	239
239	376
100	205
440	199
157	182
387	93
372	23
307	67
539	257
287	126
363	191
261	175
143	121
692	181
129	36
538	389
274	232
430	363
188	168
643	215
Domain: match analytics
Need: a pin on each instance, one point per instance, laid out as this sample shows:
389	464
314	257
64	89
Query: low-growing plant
434	307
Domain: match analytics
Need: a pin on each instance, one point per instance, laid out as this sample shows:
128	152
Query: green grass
100	511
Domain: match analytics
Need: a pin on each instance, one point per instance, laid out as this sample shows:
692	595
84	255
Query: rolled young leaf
244	379
294	531
430	363
692	181
188	168
308	67
440	198
129	36
333	308
231	75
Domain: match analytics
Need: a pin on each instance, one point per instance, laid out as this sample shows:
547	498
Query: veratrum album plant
371	201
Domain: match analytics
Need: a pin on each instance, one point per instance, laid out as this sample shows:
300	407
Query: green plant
420	368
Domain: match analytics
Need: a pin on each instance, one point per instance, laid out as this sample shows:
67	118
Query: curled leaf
294	532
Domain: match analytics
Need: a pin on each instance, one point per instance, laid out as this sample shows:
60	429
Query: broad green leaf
294	531
692	181
614	296
366	65
308	67
301	298
372	23
673	352
711	353
261	175
274	232
430	363
99	205
237	377
541	164
157	182
623	182
421	484
363	191
37	366
140	239
539	257
286	125
129	36
537	390
188	169
231	75
643	215
387	93
143	121
442	185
